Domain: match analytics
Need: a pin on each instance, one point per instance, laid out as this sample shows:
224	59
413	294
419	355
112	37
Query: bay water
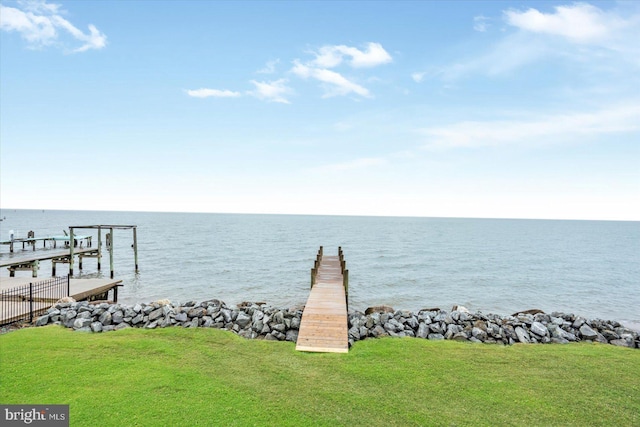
589	268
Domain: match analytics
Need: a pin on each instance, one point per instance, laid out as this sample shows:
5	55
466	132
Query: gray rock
578	322
292	335
539	329
364	332
354	332
295	323
435	336
96	327
137	308
610	335
423	330
42	320
243	320
460	336
108	328
81	323
196	312
152	325
122	326
105	318
156	314
280	327
181	317
622	343
478	334
587	333
117	317
379	331
139	318
84	315
70	314
523	336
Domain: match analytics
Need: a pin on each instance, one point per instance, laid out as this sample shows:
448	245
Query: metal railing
26	301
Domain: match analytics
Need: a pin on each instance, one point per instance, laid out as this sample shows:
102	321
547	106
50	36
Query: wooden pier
324	320
32	262
68	256
16	300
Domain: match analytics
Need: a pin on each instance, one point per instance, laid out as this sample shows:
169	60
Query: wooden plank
323	327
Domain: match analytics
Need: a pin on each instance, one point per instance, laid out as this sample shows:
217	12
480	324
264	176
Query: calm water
591	268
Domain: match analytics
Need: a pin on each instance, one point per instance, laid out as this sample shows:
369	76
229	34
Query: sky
485	109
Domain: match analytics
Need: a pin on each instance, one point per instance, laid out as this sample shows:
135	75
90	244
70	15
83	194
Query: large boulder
379	309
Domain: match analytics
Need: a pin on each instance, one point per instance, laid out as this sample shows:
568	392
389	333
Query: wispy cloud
481	23
579	32
332	56
580	22
320	69
269	68
337	84
40	23
215	93
273	91
560	128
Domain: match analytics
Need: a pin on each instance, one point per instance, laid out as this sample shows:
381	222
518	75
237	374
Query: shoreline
261	321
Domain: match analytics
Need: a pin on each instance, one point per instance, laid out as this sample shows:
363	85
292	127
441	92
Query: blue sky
458	109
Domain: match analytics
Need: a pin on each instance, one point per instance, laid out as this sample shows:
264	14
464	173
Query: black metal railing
26	301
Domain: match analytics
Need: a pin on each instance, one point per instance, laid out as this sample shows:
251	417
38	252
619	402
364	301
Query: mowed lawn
208	377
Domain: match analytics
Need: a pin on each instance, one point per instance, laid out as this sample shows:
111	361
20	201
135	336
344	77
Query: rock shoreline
259	321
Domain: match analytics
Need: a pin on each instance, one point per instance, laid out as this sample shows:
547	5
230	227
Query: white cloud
418	76
39	23
273	91
332	56
269	68
561	128
216	93
337	84
580	22
480	23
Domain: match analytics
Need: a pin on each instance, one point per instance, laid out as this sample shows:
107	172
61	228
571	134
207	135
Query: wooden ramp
324	320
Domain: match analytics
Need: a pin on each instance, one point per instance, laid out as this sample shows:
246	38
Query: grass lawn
206	377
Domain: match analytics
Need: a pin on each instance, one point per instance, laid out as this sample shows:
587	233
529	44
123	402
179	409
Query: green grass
208	377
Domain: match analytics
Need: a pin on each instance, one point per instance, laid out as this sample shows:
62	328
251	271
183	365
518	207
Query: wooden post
99	247
111	251
71	251
313	277
345	282
135	247
34	268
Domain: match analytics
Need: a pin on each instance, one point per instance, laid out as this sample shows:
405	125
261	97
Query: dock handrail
345	275
316	265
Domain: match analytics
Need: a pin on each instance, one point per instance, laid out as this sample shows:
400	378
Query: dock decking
31	262
324	320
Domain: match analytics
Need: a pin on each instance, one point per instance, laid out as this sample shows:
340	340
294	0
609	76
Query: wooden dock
15	301
31	262
324	320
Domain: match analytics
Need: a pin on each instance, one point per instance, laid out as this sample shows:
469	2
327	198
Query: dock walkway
31	262
324	320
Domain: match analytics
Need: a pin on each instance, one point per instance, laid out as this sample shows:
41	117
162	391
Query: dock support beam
99	247
111	251
135	247
71	245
